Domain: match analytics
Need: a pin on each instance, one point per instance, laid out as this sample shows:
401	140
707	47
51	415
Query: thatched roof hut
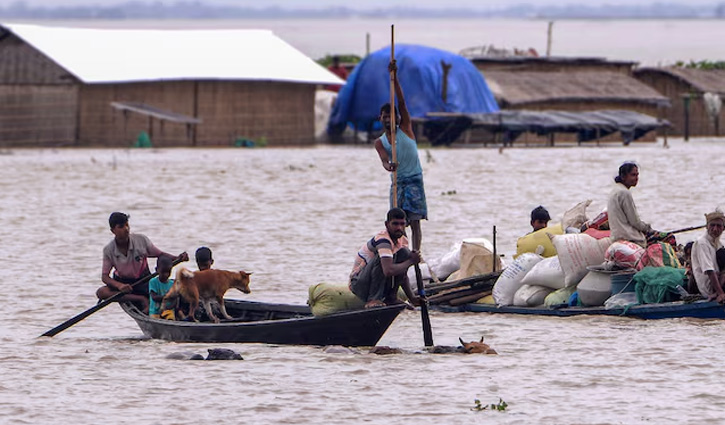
686	88
576	91
184	87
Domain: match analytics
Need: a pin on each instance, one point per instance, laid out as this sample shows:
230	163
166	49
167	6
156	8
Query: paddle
427	330
77	318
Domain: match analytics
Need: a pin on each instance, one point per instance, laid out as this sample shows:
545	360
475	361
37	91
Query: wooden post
494	250
686	100
548	38
393	129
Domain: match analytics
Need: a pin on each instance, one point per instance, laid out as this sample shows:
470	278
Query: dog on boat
474	347
206	285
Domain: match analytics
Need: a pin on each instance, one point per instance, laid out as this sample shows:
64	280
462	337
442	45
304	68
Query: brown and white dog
206	285
474	347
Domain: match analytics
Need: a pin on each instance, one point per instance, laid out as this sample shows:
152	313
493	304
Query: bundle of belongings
575	262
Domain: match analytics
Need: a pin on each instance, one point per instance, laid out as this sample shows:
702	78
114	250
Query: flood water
296	217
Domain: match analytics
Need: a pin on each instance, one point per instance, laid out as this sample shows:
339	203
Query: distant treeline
197	10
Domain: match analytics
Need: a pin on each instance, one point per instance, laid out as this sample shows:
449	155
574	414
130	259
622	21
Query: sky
367	4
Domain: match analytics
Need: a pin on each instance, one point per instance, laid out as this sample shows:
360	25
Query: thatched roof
521	88
704	80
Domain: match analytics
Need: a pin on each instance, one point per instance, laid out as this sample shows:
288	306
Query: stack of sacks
576	253
510	280
544	278
539	242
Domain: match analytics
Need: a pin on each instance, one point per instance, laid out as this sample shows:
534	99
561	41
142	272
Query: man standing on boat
705	266
624	221
411	193
127	256
384	256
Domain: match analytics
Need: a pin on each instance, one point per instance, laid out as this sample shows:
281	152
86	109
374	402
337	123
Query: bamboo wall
281	113
32	116
700	123
23	64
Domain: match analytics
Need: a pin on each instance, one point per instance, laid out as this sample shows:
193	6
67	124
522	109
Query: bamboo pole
393	129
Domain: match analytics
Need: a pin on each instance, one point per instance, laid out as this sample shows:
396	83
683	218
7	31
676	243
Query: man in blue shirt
411	193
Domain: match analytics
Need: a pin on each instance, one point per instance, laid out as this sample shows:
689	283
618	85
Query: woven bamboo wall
102	125
32	116
23	64
281	113
700	123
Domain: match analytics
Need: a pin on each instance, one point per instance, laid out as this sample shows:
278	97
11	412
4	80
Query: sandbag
594	288
328	298
450	262
623	255
546	272
533	240
510	280
576	215
531	295
476	258
577	252
560	296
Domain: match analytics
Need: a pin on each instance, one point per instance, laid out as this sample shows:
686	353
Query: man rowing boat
127	256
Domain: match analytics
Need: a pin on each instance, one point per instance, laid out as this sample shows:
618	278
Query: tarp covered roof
127	55
522	88
589	125
421	75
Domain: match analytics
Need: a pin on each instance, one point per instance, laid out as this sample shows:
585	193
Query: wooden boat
699	309
274	324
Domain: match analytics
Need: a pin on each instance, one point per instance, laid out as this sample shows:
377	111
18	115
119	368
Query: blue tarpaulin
421	75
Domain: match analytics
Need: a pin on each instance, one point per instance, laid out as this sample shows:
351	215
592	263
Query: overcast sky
473	4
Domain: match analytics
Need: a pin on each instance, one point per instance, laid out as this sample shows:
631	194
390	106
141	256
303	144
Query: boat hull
673	310
275	324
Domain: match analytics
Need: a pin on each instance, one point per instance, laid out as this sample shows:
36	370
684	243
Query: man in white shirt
705	267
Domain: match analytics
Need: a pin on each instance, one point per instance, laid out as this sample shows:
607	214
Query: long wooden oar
77	318
427	330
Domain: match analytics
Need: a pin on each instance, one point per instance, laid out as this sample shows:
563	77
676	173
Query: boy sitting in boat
382	263
204	261
539	218
158	287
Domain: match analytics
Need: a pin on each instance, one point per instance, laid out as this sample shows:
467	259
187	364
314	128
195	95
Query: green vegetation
327	60
500	406
705	64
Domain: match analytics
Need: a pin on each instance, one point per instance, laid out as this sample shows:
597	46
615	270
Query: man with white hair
705	266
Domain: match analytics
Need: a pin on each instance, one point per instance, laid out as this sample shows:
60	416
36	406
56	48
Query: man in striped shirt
382	263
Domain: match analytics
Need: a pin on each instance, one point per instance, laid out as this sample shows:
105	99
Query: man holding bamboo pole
410	190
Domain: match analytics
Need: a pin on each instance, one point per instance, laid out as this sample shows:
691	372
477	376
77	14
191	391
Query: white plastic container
595	288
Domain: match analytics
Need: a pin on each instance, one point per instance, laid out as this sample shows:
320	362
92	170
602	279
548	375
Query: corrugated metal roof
125	55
